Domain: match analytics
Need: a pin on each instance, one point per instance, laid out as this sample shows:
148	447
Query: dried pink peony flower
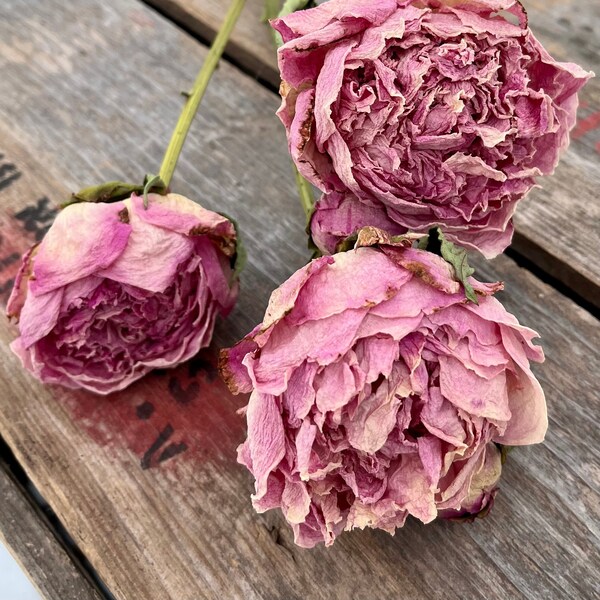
427	112
114	291
378	392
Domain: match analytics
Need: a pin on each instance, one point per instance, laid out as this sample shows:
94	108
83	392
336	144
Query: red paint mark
187	412
586	125
598	147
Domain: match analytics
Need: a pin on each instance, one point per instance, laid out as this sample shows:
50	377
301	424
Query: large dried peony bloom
379	392
428	112
114	291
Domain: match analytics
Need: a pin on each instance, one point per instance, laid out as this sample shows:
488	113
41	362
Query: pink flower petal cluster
115	290
422	113
378	392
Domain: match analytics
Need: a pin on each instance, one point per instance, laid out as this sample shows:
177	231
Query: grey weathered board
146	481
558	225
35	548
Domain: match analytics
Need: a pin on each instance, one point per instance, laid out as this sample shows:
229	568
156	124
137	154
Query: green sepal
347	244
423	243
504	452
240	258
457	257
113	191
315	252
154	184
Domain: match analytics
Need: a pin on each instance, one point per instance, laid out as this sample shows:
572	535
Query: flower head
114	290
378	391
423	113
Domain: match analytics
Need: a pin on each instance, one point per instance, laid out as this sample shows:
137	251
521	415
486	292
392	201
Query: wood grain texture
146	481
557	224
35	548
251	44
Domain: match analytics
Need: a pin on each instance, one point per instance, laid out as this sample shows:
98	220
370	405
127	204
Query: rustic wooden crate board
570	29
146	481
35	548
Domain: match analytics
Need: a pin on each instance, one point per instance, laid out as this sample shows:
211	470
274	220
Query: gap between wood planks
204	34
11	466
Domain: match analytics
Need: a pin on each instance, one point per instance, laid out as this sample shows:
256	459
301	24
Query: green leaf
459	260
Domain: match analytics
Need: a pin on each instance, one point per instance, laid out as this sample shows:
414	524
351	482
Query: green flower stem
290	6
197	93
304	190
306	195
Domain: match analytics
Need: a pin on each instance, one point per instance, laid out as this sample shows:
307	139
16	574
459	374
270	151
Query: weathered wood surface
251	44
556	226
146	481
35	548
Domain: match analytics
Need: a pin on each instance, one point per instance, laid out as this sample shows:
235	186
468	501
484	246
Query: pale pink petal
152	256
266	438
83	240
478	396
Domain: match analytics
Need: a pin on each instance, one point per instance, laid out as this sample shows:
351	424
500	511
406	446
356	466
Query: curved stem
304	190
306	195
197	93
274	9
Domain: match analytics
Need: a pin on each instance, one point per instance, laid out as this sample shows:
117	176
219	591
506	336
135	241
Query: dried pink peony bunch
379	392
410	114
115	290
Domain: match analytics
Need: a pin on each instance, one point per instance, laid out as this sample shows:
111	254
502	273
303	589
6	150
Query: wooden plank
146	481
32	543
558	223
555	226
251	44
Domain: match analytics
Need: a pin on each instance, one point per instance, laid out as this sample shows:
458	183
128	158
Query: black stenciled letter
8	173
37	219
183	395
169	452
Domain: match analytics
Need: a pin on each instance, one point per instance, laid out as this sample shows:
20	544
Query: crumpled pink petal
84	239
152	258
